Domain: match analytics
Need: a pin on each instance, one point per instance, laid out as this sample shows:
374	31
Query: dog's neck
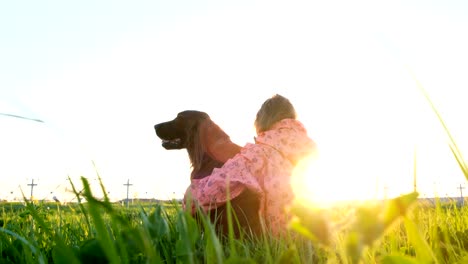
206	168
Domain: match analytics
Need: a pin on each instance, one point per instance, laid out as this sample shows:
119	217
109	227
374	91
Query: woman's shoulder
252	151
252	147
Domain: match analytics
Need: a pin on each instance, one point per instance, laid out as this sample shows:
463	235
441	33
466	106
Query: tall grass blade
424	253
265	239
232	246
157	228
80	205
106	198
399	260
61	249
188	235
22	117
102	234
214	250
452	144
34	250
288	257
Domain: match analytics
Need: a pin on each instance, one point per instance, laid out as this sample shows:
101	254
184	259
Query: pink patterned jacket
265	168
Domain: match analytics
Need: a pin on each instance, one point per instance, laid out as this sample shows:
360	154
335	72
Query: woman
265	167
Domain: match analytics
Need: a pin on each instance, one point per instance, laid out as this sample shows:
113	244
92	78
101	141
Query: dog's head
207	144
179	132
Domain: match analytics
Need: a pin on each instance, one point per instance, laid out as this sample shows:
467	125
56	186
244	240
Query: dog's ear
217	143
194	144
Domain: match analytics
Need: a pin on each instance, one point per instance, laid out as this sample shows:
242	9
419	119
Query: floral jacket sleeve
229	181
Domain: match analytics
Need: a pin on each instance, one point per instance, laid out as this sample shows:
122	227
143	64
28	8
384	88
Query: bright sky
101	74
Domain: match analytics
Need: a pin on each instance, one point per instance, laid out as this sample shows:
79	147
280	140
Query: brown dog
208	147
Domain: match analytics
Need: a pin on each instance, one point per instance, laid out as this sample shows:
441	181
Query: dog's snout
157	129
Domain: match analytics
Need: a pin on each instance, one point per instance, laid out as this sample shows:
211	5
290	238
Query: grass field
401	230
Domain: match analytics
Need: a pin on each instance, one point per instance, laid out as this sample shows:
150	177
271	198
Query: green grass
401	230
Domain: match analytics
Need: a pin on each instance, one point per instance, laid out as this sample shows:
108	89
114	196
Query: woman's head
273	110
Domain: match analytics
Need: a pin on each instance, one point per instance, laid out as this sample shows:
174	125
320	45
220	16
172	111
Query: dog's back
208	147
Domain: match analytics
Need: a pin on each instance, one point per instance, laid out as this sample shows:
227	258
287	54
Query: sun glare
328	180
378	160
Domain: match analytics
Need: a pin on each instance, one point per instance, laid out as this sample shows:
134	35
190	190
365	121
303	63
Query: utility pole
461	193
32	184
128	186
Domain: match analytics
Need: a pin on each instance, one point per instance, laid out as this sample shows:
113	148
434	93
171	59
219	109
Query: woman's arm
229	181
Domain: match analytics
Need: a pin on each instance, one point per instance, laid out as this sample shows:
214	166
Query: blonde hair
273	110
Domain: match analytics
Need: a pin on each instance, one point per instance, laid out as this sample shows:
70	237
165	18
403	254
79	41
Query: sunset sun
380	150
